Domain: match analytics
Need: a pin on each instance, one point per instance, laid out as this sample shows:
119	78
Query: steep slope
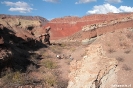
17	39
97	29
23	25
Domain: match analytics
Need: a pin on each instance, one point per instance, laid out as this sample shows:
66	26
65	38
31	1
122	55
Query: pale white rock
95	70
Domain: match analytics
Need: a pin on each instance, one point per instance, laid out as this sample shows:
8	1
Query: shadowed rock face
95	70
23	26
17	38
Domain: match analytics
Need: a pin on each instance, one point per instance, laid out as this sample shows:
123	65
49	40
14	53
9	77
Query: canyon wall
17	38
67	26
23	26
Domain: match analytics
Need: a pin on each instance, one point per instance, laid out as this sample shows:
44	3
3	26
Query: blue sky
50	9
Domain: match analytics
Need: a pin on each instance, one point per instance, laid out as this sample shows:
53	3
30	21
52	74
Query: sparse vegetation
111	50
62	83
34	58
126	68
120	59
63	45
108	44
49	64
46	55
129	35
31	68
127	51
124	45
16	79
56	49
120	38
50	79
72	49
68	61
32	61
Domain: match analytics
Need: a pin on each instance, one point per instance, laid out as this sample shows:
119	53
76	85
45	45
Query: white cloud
84	1
53	1
113	1
126	9
19	6
106	8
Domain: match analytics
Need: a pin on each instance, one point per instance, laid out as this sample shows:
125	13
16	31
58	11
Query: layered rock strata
67	26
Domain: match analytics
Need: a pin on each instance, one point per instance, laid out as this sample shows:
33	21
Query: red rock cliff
67	26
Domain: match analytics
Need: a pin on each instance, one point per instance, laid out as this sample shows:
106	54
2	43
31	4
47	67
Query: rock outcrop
25	27
107	23
95	70
17	38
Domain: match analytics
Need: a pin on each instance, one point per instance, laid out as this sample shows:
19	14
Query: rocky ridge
107	23
92	71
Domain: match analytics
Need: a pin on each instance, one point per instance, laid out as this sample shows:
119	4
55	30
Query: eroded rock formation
95	70
67	26
107	23
17	39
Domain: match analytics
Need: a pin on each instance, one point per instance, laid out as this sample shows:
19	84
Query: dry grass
46	55
31	68
16	79
53	79
56	49
124	44
129	35
50	64
50	79
62	83
34	58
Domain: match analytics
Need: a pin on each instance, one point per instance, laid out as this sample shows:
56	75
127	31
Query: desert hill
66	26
